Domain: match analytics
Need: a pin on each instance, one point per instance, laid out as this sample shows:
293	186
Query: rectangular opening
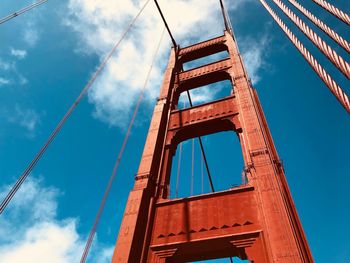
189	176
205	60
223	260
205	94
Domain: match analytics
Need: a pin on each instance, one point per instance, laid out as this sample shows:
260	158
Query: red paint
257	221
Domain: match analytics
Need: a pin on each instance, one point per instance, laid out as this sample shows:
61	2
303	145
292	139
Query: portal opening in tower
205	94
189	175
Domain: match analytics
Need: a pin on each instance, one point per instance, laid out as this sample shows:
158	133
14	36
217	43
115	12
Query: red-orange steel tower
256	221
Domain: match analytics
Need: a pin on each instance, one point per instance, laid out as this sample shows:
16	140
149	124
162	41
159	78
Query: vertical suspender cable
202	149
43	148
189	98
179	166
337	60
192	169
330	32
202	173
178	171
334	11
22	11
115	168
320	71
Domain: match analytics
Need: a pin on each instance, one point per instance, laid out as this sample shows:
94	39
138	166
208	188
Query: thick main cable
334	11
121	151
22	11
320	71
330	32
37	157
336	59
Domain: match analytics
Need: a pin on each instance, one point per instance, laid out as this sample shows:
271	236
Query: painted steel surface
256	221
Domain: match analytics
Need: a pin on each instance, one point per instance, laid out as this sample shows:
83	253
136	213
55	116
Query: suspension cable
229	21
202	173
179	165
330	32
223	11
334	11
202	149
178	171
192	169
320	71
21	11
43	148
121	151
336	59
166	24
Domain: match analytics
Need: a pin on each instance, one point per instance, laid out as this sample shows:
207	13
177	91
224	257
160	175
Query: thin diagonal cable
121	151
334	11
202	149
202	173
337	60
320	71
166	24
22	11
43	148
178	171
179	166
192	169
228	18
325	28
223	11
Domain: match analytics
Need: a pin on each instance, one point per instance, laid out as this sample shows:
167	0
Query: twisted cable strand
337	60
334	11
320	71
330	32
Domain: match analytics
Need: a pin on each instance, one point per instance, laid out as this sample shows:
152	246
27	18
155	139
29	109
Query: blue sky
48	55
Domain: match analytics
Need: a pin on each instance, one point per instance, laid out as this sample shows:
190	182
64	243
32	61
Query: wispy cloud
100	23
4	81
30	230
30	34
5	66
254	54
8	69
18	53
26	118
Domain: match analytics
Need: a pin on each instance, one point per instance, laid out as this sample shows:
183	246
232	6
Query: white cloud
4	81
30	231
99	23
18	53
22	80
30	35
253	54
6	65
26	118
10	74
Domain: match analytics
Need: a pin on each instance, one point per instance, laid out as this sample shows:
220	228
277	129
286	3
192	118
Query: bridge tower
255	221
